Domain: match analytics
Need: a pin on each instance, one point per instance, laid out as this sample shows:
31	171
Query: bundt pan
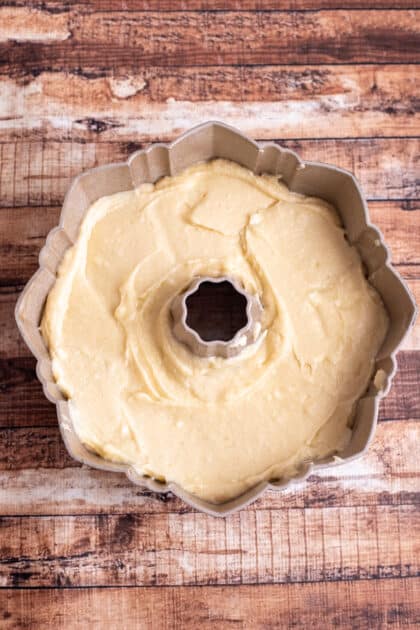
204	142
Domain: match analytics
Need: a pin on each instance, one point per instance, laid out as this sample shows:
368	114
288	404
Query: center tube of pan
216	317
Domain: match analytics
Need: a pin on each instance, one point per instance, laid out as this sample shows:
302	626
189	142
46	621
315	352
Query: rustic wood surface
87	82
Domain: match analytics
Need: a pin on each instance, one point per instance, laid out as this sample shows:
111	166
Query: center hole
216	311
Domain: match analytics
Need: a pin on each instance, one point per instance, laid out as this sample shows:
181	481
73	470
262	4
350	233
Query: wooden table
87	82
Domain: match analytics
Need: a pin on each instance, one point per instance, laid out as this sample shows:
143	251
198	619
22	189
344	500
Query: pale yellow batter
215	426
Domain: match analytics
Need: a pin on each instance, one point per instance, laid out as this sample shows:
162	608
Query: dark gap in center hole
216	311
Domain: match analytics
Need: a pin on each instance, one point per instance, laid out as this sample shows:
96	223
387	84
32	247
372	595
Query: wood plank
22	401
24	230
38	173
397	222
357	605
120	94
38	447
131	40
153	549
405	391
339	101
30	24
125	6
412	278
38	477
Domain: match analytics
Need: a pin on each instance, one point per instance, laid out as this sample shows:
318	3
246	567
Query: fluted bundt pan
205	142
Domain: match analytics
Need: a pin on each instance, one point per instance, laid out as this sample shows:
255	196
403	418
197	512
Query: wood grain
125	6
340	101
356	605
108	39
78	93
252	547
35	460
38	173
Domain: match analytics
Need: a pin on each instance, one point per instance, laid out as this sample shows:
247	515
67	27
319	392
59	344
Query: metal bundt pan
205	142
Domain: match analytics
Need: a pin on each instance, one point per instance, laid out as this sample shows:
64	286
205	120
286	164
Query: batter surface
215	426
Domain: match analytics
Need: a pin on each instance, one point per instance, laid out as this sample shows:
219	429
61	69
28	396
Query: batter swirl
215	426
